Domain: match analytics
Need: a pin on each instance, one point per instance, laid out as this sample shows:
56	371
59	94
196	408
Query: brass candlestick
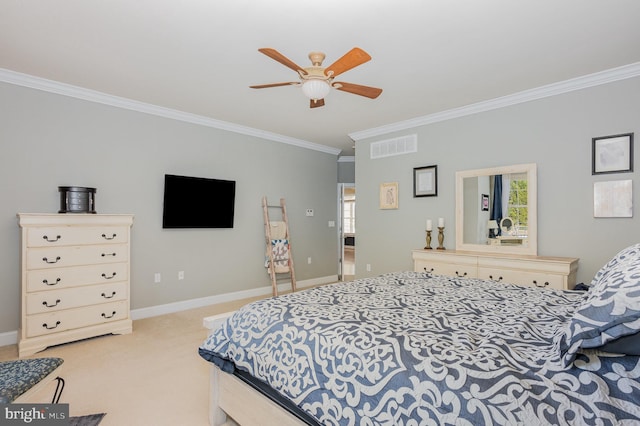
440	238
428	246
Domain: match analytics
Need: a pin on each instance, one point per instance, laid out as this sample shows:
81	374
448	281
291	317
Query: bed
411	348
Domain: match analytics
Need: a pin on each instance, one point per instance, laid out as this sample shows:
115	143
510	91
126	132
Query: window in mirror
517	203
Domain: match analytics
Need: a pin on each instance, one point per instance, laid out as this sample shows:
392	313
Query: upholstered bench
21	378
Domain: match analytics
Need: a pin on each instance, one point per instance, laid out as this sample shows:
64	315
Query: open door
347	231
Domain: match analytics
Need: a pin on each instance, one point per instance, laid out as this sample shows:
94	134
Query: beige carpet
153	376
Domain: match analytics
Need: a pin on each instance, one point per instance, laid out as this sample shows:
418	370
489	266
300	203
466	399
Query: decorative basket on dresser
75	278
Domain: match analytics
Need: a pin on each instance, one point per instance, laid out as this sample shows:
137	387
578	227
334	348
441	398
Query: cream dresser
539	271
75	278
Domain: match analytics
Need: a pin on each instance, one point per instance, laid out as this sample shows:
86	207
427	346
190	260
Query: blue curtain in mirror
496	208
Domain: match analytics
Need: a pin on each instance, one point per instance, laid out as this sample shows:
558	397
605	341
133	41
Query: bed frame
233	402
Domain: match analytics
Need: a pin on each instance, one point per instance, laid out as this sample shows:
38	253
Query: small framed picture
612	154
485	203
389	195
425	181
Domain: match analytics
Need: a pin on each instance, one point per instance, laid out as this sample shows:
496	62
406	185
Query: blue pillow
610	311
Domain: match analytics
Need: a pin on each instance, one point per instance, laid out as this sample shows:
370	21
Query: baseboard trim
184	305
8	338
11	337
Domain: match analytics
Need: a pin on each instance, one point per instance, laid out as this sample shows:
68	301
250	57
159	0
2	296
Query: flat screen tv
193	202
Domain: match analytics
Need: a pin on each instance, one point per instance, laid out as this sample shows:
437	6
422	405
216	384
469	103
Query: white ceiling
429	56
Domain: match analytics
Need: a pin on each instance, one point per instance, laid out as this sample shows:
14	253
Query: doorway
347	231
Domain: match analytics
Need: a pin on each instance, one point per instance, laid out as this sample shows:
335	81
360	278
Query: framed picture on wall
612	154
389	195
425	181
485	203
613	199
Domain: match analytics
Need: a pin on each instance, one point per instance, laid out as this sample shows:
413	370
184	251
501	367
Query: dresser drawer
57	257
533	279
56	322
444	256
79	235
67	298
445	263
55	278
450	269
534	264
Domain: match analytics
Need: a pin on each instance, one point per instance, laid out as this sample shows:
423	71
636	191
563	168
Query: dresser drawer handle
113	293
51	328
110	316
460	276
546	283
109	238
50	262
45	303
46	282
46	238
498	280
108	278
108	254
428	272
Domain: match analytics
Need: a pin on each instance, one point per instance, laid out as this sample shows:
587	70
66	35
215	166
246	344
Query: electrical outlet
309	212
181	275
157	277
368	267
308	260
332	224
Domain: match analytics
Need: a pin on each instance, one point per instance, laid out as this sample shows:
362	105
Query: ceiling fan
316	81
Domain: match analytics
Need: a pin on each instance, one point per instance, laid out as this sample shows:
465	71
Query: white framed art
613	198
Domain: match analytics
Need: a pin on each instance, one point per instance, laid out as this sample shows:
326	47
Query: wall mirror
512	199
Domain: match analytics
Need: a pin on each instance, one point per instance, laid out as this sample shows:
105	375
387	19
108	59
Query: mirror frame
532	204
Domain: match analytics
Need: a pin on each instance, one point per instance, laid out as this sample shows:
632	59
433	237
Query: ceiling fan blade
264	86
316	103
351	59
356	89
277	56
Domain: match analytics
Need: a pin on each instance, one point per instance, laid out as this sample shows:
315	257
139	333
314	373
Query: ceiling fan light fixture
315	89
316	81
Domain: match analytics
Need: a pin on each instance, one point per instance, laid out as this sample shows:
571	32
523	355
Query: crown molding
32	82
578	83
346	159
590	80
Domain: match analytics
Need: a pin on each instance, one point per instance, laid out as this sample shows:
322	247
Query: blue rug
90	420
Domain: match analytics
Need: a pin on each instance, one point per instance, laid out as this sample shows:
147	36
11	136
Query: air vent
395	146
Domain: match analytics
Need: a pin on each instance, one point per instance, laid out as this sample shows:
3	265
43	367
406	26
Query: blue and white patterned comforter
412	349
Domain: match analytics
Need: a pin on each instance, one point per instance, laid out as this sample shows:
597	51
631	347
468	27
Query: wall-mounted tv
194	202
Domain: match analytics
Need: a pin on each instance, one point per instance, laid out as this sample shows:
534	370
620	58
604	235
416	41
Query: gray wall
346	170
49	140
554	132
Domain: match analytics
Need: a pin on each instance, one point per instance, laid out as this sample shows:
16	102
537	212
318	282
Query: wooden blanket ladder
279	258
